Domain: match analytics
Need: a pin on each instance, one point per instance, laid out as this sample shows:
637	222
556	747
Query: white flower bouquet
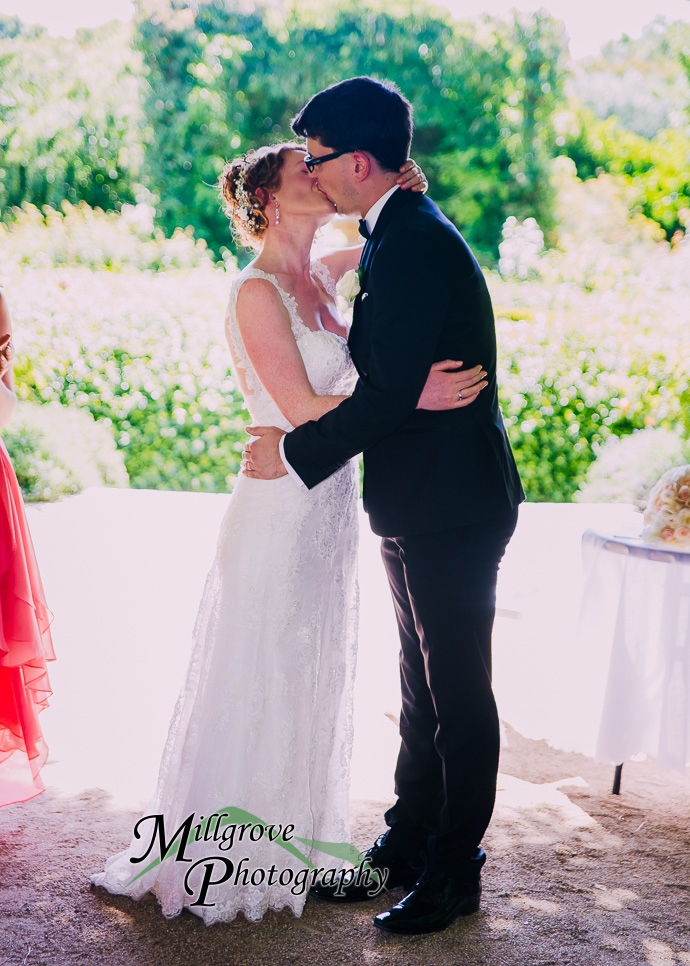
667	516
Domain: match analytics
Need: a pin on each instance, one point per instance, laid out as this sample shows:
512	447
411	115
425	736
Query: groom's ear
362	165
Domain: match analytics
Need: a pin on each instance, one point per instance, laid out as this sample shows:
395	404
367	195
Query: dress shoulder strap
322	272
289	300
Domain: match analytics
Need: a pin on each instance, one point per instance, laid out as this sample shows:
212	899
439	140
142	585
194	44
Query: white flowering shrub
79	235
627	468
58	450
520	250
595	346
598	345
146	355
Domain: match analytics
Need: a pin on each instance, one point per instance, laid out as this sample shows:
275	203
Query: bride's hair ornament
246	184
244	202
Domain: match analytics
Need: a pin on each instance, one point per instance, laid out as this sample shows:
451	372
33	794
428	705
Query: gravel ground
575	875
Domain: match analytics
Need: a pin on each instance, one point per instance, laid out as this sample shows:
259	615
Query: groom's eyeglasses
312	162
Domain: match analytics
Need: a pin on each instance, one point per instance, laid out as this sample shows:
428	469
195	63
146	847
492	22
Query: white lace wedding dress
263	722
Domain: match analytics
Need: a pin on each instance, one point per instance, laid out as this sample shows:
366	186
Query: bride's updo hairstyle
245	186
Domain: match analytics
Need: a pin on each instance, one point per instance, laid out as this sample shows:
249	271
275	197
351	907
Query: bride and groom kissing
263	722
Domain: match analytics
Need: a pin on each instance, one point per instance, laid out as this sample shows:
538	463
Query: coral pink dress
25	646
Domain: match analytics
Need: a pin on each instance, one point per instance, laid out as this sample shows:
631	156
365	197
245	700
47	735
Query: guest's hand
261	457
6	354
412	176
448	388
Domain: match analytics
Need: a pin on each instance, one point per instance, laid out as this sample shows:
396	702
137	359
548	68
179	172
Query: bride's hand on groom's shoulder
449	387
412	176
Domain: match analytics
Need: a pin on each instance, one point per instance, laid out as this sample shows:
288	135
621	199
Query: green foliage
601	347
145	355
592	344
70	122
222	79
658	169
14	27
592	333
558	418
629	116
58	450
643	81
152	110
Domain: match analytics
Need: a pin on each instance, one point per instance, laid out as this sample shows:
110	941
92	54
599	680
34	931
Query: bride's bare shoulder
255	291
260	304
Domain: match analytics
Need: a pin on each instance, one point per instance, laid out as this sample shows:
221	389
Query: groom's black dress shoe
436	900
401	872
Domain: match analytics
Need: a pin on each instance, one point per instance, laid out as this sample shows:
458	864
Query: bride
252	793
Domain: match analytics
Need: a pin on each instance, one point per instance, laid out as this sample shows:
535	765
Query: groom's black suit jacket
424	298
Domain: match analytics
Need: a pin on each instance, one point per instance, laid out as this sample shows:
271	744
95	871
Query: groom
441	488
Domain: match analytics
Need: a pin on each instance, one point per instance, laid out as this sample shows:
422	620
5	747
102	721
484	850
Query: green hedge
145	355
593	343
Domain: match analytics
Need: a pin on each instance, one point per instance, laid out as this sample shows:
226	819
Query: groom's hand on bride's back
449	387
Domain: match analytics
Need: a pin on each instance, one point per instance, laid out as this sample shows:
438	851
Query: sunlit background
558	141
589	24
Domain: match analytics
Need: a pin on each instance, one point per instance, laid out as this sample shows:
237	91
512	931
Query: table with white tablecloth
635	615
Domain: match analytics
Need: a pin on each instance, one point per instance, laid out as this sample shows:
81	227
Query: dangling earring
277	211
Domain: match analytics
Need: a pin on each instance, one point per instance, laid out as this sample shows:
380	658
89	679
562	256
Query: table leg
616	790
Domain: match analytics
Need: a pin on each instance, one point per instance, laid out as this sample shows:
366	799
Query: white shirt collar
372	215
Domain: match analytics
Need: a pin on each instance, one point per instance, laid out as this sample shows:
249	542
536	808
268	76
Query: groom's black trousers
444	590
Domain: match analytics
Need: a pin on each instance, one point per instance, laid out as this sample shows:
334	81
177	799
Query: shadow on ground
575	876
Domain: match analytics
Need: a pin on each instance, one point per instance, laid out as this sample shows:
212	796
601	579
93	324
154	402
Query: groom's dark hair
360	114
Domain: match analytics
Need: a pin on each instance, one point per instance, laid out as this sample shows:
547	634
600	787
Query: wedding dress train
262	727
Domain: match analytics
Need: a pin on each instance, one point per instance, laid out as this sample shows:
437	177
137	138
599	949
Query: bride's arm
267	336
342	260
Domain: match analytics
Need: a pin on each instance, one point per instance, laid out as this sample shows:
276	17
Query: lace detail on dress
324	276
263	721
